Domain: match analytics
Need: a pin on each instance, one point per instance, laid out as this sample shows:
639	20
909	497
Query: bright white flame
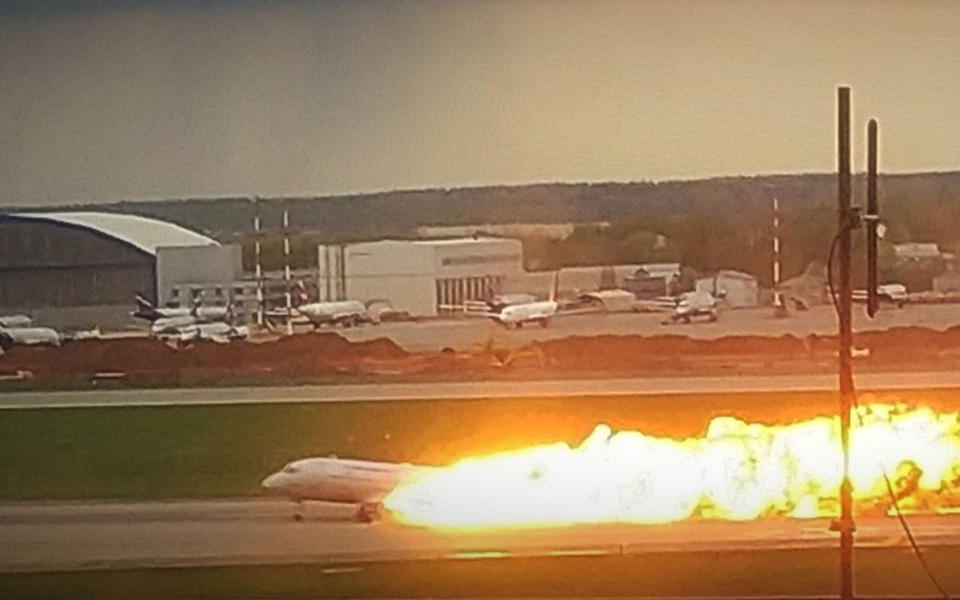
737	470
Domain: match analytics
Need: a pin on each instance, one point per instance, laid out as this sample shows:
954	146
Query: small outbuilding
739	289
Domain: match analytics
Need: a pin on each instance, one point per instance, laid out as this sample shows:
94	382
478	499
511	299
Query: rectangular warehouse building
422	277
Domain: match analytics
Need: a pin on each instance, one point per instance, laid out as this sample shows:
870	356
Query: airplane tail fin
196	301
555	287
145	308
143	304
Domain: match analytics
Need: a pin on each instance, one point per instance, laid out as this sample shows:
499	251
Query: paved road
481	389
89	536
466	333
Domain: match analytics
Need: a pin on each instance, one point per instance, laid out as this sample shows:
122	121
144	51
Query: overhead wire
886	478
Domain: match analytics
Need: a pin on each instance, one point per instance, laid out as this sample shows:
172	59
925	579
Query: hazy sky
158	99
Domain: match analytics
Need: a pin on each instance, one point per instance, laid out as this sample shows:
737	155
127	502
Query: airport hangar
421	277
81	269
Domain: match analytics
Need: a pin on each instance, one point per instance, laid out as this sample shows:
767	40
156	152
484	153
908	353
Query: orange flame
736	471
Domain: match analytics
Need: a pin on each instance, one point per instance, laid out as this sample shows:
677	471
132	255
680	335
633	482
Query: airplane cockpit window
290	469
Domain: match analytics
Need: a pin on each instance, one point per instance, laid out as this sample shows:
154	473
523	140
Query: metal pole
873	213
286	268
776	248
259	266
779	308
845	525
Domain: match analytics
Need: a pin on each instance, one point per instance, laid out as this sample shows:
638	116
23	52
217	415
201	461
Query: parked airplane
504	300
346	313
218	331
695	304
344	481
184	325
28	336
198	314
515	315
891	293
15	321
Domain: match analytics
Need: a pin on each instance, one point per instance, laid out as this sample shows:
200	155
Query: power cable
886	478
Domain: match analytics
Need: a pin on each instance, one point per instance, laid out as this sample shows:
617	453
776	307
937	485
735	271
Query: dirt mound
301	357
609	351
89	356
296	355
902	343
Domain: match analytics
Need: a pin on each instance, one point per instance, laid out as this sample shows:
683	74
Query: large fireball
737	470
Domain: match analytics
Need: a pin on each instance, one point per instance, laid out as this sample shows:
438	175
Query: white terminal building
422	277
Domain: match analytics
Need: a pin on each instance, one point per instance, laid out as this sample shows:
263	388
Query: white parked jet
516	315
340	312
29	336
345	481
695	304
15	321
219	332
184	325
180	316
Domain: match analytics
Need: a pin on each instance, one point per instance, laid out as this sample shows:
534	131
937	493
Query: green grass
225	450
794	572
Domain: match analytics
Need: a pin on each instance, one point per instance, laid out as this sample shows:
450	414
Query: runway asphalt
478	389
78	536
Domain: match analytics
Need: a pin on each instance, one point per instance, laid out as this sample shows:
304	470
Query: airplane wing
487	314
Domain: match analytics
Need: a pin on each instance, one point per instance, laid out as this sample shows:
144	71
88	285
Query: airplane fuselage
531	312
15	321
31	335
346	481
344	311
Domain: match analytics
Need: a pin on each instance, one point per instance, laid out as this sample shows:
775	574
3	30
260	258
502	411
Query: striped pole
259	266
286	268
777	297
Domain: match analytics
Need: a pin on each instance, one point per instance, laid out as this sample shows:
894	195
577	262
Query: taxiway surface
73	536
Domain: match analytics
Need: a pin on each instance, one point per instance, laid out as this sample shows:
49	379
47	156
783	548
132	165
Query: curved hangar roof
140	232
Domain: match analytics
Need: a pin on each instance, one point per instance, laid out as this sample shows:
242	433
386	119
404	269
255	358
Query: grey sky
110	101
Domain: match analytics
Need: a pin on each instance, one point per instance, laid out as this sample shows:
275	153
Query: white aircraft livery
345	481
341	312
184	325
517	315
15	321
219	332
182	316
29	336
695	304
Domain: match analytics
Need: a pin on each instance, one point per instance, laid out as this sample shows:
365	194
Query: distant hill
711	223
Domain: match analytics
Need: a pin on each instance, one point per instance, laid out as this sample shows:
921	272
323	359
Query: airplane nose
270	482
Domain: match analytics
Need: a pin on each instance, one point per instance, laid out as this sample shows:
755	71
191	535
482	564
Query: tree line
710	224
